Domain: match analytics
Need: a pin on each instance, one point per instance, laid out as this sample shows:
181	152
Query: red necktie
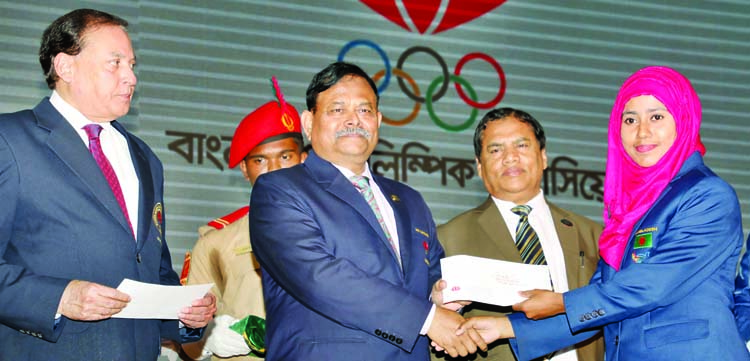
95	147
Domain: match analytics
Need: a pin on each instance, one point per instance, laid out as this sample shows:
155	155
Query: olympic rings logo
437	88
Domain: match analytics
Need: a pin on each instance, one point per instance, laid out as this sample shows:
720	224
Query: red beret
265	122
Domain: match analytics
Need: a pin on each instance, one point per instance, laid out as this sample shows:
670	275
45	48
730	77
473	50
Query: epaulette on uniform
185	269
230	218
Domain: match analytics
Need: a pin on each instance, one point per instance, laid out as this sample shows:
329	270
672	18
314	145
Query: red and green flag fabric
643	240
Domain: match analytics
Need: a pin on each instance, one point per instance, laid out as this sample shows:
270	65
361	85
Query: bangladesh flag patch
643	240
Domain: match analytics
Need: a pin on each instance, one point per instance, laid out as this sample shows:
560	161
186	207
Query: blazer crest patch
643	241
157	217
644	237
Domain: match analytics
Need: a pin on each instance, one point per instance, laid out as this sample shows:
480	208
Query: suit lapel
146	186
493	225
344	190
65	142
568	235
403	224
337	185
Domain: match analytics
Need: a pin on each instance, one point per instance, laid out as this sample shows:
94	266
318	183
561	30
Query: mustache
353	131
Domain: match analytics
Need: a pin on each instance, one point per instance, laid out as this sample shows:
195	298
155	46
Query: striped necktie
363	186
527	240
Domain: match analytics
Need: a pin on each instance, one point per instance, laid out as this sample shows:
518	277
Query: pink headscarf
629	189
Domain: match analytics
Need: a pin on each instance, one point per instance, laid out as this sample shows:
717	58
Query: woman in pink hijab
671	241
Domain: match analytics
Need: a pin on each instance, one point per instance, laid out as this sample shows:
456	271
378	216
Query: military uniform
222	255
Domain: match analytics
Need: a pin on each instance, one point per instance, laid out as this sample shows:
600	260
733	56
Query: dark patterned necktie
527	240
95	147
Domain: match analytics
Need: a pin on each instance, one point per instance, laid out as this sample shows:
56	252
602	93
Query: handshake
456	336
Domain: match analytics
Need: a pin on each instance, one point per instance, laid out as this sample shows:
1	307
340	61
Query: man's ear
243	167
307	120
479	167
63	64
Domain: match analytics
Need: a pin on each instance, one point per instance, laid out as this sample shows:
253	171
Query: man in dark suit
82	208
348	257
509	146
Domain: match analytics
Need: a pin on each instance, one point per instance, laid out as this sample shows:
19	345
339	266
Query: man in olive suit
509	145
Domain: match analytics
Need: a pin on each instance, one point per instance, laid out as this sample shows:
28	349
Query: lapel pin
566	222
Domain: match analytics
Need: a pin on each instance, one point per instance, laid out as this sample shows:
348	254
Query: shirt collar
348	173
76	119
535	203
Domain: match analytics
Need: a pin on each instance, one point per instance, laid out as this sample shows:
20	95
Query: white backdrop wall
203	65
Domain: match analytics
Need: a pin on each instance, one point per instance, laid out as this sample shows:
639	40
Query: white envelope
490	281
148	300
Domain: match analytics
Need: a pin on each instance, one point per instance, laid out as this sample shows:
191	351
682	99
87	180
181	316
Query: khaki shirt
224	257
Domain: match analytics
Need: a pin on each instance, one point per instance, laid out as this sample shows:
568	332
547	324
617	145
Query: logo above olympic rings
433	92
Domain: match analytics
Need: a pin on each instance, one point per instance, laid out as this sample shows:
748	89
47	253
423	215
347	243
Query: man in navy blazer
69	234
347	270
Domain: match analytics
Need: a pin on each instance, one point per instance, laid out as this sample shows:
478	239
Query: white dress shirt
540	218
115	148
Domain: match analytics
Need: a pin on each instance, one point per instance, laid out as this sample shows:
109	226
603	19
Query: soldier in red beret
267	139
